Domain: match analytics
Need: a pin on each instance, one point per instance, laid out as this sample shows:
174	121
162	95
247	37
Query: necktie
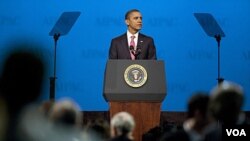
132	43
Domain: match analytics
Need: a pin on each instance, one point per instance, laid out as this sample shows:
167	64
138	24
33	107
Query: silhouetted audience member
20	84
226	103
225	106
157	132
3	119
45	107
194	127
63	122
66	112
153	134
66	120
21	80
122	126
98	128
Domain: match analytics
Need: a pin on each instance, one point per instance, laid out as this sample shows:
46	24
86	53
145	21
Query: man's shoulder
145	36
122	36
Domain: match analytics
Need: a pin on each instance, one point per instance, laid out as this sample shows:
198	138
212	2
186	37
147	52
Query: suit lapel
140	41
141	45
125	47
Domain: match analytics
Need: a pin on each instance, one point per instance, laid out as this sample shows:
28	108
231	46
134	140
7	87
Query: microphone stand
137	52
53	78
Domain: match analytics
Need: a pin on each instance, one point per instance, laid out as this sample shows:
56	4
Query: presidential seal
135	75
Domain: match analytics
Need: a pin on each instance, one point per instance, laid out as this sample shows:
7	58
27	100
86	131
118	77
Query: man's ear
126	22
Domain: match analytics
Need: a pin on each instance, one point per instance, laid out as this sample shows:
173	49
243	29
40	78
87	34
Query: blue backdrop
190	55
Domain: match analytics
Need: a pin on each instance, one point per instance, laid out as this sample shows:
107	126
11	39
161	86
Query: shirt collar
129	34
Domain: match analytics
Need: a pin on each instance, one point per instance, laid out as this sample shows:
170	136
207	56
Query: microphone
138	50
131	48
135	52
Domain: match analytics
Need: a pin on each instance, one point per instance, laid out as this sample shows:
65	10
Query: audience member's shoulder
120	138
179	135
244	119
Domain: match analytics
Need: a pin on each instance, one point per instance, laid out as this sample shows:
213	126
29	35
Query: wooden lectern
137	87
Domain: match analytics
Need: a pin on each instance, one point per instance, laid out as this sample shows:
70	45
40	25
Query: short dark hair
67	117
226	102
129	12
198	101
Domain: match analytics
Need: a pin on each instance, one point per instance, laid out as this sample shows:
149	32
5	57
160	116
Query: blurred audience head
66	112
227	100
122	123
22	73
99	128
154	133
197	111
45	107
198	104
22	77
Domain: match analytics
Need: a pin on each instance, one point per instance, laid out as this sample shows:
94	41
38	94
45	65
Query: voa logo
236	132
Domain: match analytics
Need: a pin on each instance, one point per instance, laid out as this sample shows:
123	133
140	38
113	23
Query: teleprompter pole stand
212	29
62	27
218	39
53	78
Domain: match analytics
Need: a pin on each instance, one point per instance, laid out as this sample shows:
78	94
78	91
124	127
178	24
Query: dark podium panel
144	102
116	89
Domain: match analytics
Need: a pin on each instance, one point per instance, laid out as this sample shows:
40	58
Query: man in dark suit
132	44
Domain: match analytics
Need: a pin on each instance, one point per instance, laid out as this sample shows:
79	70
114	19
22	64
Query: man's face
134	22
